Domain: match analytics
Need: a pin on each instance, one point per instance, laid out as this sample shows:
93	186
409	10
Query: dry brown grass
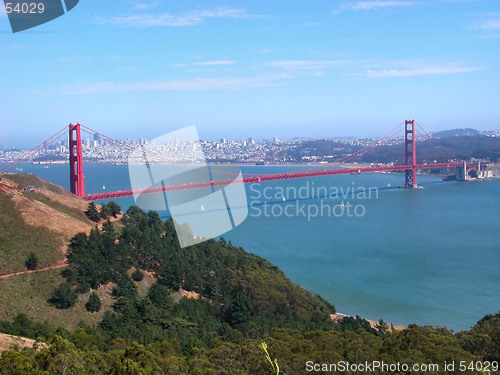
9	342
338	317
40	221
37	214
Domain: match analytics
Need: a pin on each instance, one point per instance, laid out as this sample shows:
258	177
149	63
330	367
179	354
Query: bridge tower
410	154
75	161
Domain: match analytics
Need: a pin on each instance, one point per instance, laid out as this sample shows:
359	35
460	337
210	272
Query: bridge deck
263	178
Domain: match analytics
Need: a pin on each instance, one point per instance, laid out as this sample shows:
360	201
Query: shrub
138	275
94	303
92	212
31	261
63	296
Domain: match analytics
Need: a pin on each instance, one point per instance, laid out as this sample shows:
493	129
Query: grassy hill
37	217
253	295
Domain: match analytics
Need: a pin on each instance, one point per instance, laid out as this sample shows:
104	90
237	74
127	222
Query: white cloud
216	62
139	5
108	87
374	4
307	64
422	71
73	59
203	63
491	24
167	19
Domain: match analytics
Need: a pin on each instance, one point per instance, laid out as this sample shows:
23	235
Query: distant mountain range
455	133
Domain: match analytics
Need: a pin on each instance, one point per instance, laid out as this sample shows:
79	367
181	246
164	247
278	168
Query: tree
63	296
92	212
31	261
159	295
138	275
114	209
94	303
382	327
105	211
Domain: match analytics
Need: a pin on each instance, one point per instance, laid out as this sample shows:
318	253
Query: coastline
391	327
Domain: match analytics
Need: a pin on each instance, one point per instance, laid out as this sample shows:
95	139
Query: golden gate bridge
77	179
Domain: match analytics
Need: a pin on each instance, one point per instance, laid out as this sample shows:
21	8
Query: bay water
428	256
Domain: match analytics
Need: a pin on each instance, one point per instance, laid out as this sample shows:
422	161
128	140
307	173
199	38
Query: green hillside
131	301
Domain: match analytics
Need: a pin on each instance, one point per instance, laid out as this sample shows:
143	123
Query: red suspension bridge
77	185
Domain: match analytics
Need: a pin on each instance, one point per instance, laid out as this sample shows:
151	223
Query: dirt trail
59	264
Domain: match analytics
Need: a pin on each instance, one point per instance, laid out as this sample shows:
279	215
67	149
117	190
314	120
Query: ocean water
429	256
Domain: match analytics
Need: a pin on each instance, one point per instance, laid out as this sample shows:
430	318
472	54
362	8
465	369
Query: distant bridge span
264	178
77	185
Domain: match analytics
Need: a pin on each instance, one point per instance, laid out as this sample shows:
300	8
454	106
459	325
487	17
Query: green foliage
247	294
29	293
274	364
63	296
382	328
484	338
81	352
21	325
137	275
240	297
353	324
110	209
417	344
94	303
87	263
31	261
159	295
114	209
92	212
105	212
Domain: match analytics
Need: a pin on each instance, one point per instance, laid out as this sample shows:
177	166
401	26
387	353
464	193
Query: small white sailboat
283	199
388	184
202	208
103	187
342	205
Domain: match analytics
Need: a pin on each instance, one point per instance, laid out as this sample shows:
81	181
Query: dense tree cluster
239	293
107	210
77	352
242	300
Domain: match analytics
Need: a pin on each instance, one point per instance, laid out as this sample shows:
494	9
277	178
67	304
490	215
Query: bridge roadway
263	178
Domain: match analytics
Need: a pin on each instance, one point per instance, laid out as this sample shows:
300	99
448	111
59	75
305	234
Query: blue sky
237	69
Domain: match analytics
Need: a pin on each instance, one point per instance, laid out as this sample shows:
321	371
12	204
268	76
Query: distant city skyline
89	140
240	69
